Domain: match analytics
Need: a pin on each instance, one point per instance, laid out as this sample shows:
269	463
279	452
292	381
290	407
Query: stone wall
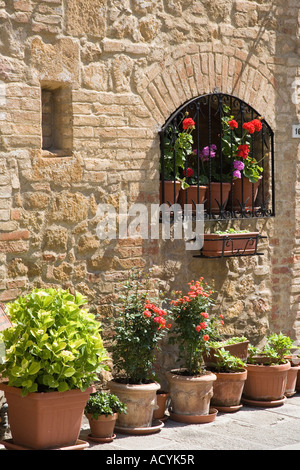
129	65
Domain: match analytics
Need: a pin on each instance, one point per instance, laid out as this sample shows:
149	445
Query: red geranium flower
233	124
206	337
243	151
188	123
189	172
249	127
257	124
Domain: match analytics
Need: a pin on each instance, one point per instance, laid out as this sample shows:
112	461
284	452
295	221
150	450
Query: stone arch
190	71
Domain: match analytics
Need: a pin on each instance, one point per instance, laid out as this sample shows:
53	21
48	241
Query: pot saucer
79	445
195	419
263	403
100	440
228	409
157	425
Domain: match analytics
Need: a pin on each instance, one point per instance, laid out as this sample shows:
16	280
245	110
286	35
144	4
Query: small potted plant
230	242
236	345
54	352
246	170
102	410
267	371
178	143
231	375
139	325
191	386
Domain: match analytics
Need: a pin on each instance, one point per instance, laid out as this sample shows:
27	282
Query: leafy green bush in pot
104	403
276	348
54	343
227	363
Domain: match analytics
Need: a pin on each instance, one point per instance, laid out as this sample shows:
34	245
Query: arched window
218	151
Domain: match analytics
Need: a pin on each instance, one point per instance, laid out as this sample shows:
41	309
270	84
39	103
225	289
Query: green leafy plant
238	149
193	325
178	144
139	325
229	231
276	348
104	403
226	362
232	340
54	343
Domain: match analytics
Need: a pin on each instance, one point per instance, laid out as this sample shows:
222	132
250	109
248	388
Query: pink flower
237	174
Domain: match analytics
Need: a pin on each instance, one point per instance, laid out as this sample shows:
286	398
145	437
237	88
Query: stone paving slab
250	428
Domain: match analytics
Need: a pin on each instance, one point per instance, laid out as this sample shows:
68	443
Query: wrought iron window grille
211	160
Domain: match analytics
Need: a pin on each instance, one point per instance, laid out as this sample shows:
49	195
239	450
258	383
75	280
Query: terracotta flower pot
291	381
265	384
190	395
298	382
218	194
45	420
219	244
169	192
236	349
161	401
102	428
227	390
140	400
190	196
244	192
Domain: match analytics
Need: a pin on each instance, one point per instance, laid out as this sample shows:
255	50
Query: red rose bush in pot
139	325
191	386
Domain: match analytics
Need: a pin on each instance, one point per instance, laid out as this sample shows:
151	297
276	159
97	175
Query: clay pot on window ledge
190	196
244	194
169	192
233	244
218	194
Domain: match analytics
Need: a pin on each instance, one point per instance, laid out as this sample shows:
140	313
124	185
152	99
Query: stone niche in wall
57	118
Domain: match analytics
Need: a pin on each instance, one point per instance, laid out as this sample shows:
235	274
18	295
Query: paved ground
249	428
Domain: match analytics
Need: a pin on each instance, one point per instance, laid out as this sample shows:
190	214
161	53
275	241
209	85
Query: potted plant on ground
237	346
139	325
54	352
231	374
191	386
161	402
267	372
102	410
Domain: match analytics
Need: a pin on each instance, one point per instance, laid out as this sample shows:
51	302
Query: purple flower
237	174
238	165
208	151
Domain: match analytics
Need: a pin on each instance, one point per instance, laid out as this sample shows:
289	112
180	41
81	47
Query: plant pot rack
228	250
